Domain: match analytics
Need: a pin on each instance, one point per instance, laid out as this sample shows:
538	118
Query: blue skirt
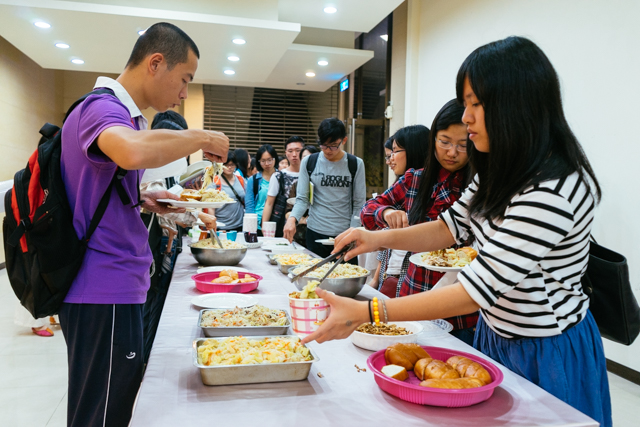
570	366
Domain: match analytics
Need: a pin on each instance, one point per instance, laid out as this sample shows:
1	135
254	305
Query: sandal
46	332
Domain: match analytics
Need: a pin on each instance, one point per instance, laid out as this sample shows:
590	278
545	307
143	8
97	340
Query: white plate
252	245
417	260
291	201
326	242
183	204
435	327
220	268
223	301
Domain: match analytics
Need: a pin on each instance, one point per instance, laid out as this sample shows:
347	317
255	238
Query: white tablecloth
172	393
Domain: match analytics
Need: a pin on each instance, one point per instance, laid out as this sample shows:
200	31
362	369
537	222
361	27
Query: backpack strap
104	202
256	184
233	189
311	163
352	161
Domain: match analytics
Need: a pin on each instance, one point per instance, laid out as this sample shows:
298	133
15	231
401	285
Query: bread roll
455	383
420	366
395	371
475	370
467	368
405	355
190	195
437	369
222	279
468	251
231	273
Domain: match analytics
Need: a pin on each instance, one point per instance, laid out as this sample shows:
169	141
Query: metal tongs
214	233
341	253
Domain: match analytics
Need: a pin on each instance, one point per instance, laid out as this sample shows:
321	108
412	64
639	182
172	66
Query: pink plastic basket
411	391
203	283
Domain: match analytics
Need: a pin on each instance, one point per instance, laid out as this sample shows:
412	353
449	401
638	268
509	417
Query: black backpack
43	252
280	205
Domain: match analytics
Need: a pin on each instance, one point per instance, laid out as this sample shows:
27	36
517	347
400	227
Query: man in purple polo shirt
101	317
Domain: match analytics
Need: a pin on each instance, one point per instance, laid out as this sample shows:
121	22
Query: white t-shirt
395	262
274	185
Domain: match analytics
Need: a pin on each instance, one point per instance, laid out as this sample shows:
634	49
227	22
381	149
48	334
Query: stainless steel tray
229	331
272	260
252	374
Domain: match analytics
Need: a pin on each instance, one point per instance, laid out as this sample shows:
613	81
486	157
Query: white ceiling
102	33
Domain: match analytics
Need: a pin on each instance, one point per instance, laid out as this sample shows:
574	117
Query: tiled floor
33	376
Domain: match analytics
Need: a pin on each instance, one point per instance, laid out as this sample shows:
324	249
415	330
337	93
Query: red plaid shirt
400	197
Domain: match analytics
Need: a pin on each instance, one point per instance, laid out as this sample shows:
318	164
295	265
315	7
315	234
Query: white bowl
380	342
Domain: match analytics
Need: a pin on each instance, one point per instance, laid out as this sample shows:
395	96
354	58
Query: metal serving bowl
348	287
208	256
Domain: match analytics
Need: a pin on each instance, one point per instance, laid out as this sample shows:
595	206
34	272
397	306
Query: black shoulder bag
612	302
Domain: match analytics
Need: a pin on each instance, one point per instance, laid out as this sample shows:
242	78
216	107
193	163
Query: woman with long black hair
530	208
420	195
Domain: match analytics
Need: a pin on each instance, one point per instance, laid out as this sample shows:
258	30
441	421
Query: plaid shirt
401	196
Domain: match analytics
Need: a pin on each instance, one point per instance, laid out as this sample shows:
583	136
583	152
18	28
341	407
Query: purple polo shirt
115	269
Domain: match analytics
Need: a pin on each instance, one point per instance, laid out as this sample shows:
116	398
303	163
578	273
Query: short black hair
389	144
169	120
266	148
331	130
415	140
231	157
167	39
311	149
292	139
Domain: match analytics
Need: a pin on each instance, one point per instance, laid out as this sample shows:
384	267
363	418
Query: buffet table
172	393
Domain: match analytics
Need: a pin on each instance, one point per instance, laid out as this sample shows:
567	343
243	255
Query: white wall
594	46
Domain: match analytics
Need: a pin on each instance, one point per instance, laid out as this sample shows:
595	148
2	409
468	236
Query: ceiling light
229	72
311	74
77	61
323	63
141	32
300	84
41	24
330	9
62	45
233	58
239	41
385	37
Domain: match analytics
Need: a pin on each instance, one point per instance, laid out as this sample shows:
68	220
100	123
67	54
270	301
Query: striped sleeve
535	222
457	216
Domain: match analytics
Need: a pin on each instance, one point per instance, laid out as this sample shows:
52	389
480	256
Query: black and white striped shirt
526	277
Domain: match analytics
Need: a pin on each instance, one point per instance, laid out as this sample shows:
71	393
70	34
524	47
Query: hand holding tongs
342	253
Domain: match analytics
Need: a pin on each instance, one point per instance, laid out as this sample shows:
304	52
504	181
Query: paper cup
307	314
269	229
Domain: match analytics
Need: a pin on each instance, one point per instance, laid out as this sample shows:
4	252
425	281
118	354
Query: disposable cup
307	314
269	229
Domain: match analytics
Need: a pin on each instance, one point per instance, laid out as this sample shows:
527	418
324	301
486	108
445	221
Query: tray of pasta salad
247	321
248	360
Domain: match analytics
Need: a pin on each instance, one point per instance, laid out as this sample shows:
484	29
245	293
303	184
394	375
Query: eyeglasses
267	161
387	159
330	147
393	153
446	145
230	166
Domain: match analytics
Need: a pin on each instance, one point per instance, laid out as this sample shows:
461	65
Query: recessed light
62	45
77	61
300	84
239	41
385	37
330	9
233	58
323	63
310	74
229	72
41	24
141	32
